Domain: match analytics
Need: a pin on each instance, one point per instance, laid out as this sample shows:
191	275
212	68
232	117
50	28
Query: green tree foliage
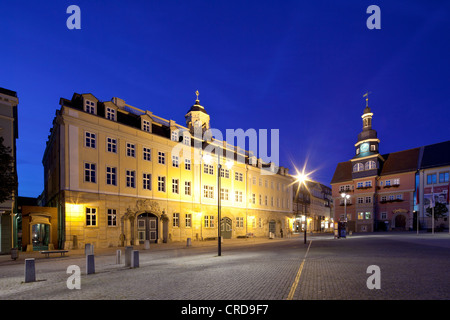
440	210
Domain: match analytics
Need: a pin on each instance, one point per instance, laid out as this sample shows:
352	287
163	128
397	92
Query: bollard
30	271
135	259
118	256
128	252
88	248
90	264
189	243
147	244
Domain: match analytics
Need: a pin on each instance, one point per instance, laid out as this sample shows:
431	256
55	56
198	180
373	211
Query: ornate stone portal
128	220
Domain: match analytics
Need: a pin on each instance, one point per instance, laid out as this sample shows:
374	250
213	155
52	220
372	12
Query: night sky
298	66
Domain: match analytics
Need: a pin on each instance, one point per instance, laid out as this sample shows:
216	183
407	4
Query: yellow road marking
297	277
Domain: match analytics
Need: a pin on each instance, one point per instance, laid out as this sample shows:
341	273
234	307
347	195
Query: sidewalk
6	259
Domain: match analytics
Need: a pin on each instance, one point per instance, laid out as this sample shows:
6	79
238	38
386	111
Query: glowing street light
302	178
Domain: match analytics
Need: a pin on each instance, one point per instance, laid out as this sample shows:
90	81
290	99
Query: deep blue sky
298	66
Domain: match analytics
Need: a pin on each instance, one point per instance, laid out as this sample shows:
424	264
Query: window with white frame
89	106
111	178
383	215
89	139
175	161
188	220
383	199
399	197
161	184
253	198
368	199
209	222
368	184
224	173
111	145
360	200
224	194
130	176
187	164
112	217
208	168
208	192
146	125
265	200
147	153
370	165
175	186
176	220
90	172
91	217
110	114
174	135
238	196
238	176
240	222
161	157
131	150
147	181
396	182
186	138
187	188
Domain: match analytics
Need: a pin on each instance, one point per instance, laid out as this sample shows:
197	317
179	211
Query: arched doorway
226	228
400	222
147	227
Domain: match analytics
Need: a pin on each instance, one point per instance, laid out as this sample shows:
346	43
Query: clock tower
367	157
197	119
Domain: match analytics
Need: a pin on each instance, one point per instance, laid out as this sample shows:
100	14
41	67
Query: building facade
119	175
374	191
381	192
9	133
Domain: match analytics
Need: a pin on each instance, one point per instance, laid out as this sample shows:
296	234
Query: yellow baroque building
119	175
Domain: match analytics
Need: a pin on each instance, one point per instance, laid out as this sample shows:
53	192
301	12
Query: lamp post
301	179
345	197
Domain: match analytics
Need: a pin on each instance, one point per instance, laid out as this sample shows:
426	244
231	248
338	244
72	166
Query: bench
48	252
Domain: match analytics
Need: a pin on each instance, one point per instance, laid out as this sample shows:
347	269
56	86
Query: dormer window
110	114
358	167
89	106
174	136
146	125
370	165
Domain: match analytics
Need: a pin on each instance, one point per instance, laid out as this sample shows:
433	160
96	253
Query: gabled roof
401	161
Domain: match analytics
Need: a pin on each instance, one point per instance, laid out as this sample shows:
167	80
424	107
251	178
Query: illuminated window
443	177
209	221
431	178
240	222
358	167
370	165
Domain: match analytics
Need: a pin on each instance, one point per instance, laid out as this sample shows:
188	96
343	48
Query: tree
440	210
8	178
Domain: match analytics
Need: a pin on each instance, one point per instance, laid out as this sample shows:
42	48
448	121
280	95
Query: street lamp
345	197
301	179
